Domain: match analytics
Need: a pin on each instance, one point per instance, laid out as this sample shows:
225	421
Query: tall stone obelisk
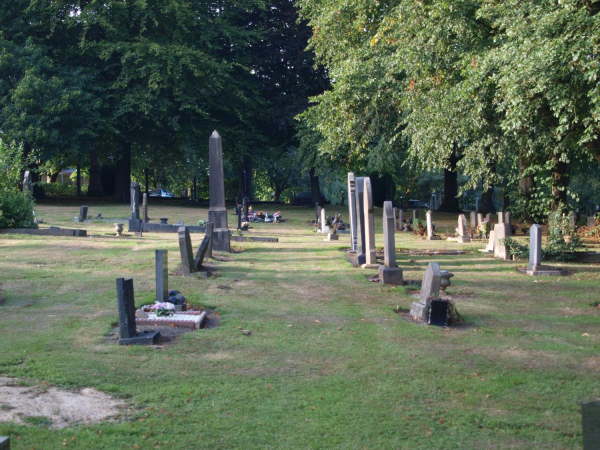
217	212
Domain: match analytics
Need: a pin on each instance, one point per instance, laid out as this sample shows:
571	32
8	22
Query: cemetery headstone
590	422
4	443
161	258
145	207
238	211
209	232
135	199
508	221
317	212
27	184
324	227
535	266
591	222
501	231
186	251
500	216
473	220
489	248
83	210
217	212
477	201
400	219
463	232
479	219
488	217
589	210
370	259
429	226
360	221
127	328
389	273
430	288
395	212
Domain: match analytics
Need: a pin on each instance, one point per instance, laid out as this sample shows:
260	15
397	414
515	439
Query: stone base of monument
370	266
485	250
332	237
143	338
419	311
221	240
543	270
391	275
463	239
190	319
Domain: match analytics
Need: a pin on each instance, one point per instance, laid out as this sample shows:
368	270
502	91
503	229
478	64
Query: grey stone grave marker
145	207
535	266
429	226
317	212
590	422
501	231
135	200
488	217
324	227
161	258
400	219
209	232
473	220
352	212
479	219
430	288
477	200
217	212
127	328
463	232
370	259
186	251
83	211
27	184
501	217
389	273
360	221
4	443
489	248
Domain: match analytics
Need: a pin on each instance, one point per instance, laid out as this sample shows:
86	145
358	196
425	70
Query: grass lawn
329	363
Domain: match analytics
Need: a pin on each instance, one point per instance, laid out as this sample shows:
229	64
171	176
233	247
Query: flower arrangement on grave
484	228
176	297
164	309
456	232
260	214
201	223
277	215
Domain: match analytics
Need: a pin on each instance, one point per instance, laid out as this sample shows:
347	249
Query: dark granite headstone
185	249
126	301
4	443
389	273
352	211
238	211
217	212
145	207
135	200
162	275
438	313
83	210
209	231
590	421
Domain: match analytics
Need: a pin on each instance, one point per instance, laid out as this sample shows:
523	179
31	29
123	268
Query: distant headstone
389	273
590	209
535	247
360	221
238	211
324	228
317	212
479	219
217	212
83	211
473	220
500	216
430	288
161	258
477	201
145	207
127	329
590	421
395	213
508	221
501	231
186	251
463	232
135	200
369	224
400	219
27	184
429	226
488	217
4	443
489	248
352	212
209	232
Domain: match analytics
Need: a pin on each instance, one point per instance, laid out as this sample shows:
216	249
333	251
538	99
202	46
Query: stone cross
352	212
27	185
126	300
369	224
501	231
590	421
389	273
83	210
217	212
429	226
135	200
430	288
161	258
145	207
463	233
186	251
535	247
360	221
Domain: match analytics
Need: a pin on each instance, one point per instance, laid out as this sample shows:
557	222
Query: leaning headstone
360	221
161	258
489	248
27	184
430	288
83	210
501	231
127	329
217	212
145	207
370	260
352	212
473	220
186	251
463	232
590	421
4	443
389	273
429	226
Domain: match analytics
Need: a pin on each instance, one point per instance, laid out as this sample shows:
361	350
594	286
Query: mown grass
329	363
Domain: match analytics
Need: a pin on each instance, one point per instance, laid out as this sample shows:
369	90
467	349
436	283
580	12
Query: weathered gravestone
352	212
489	248
127	329
463	232
430	288
83	211
135	200
27	184
488	217
508	221
370	259
145	207
429	226
189	263
501	231
4	443
590	422
324	227
395	212
500	217
210	228
161	259
317	212
389	273
217	212
360	221
473	219
479	219
401	220
535	266
591	222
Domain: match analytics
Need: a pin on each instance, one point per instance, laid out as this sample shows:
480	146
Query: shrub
16	207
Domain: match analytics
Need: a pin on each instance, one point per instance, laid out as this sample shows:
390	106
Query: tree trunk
78	177
450	202
147	180
54	177
560	183
277	194
123	174
245	188
390	190
487	201
315	189
95	186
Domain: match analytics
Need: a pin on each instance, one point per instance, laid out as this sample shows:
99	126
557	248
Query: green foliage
16	207
518	251
57	189
563	240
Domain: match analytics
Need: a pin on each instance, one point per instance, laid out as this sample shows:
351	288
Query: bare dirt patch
53	407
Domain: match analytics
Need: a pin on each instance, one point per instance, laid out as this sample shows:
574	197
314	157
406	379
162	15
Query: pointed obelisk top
215	135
